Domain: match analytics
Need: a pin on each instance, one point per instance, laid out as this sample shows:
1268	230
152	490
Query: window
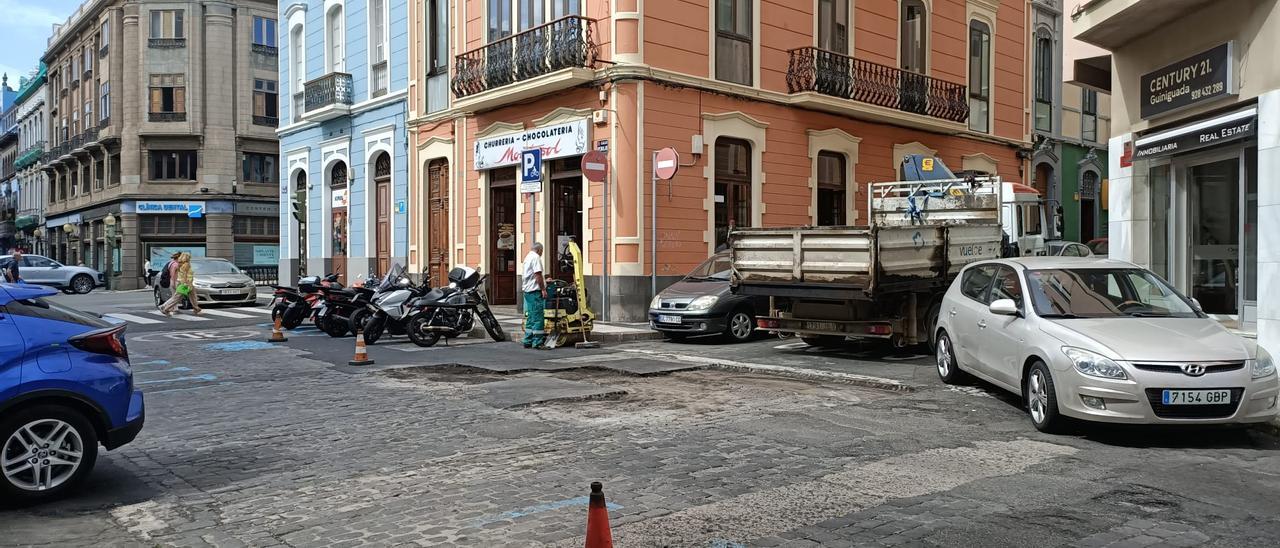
1089	115
1104	293
264	31
979	76
1030	219
438	34
166	24
49	310
259	168
832	189
73	68
1044	84
833	25
732	187
104	39
168	94
179	225
733	41
255	226
1007	286
913	36
499	19
974	282
333	36
88	111
173	165
379	71
563	8
104	101
530	13
266	102
88	58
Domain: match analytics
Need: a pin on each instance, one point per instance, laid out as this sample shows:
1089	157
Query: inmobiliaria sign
558	141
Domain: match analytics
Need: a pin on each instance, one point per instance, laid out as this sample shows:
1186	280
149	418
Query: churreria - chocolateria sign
1191	81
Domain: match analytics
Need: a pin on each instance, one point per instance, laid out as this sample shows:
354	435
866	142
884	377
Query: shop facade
1194	196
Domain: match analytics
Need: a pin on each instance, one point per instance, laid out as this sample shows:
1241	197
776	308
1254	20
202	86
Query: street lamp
69	254
110	221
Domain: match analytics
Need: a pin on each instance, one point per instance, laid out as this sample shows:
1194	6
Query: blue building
343	156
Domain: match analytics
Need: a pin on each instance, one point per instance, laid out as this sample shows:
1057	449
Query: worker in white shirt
535	299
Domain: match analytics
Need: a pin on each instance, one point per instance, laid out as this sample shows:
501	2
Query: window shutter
157	100
179	99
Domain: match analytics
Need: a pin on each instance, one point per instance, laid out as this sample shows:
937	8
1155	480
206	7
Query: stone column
1268	221
130	251
214	92
219	241
133	100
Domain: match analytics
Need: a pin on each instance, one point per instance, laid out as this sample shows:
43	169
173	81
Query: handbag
184	290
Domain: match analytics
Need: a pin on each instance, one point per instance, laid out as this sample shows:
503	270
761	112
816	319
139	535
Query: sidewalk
513	322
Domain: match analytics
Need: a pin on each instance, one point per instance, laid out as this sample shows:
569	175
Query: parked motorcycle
388	311
293	306
333	312
450	311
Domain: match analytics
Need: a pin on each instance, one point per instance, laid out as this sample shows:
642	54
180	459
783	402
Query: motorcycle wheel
374	327
420	337
333	326
292	321
278	311
357	321
492	326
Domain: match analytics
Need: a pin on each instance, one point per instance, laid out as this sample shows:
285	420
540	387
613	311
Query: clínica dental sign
1202	77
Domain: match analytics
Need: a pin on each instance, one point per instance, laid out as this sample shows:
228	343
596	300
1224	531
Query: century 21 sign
1191	81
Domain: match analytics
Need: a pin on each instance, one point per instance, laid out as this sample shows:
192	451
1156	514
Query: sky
25	27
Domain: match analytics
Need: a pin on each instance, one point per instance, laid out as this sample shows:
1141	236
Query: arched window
334	35
914	36
979	76
338	175
732	186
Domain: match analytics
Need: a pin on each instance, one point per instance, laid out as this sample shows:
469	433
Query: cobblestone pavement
249	444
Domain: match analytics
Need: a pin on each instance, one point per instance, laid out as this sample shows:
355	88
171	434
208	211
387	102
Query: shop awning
1214	131
25	221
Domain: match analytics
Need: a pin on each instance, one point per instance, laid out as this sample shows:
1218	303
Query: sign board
266	254
1231	127
602	145
339	198
926	164
531	170
195	211
401	207
257	208
178	208
556	141
666	163
595	166
1197	79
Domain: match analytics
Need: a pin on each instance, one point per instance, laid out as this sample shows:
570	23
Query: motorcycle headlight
1263	366
702	303
656	303
1094	364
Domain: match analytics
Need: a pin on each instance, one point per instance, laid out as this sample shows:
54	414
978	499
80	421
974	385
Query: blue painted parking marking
238	346
204	377
190	388
169	370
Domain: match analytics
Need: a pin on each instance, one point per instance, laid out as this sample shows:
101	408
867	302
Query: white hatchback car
1100	340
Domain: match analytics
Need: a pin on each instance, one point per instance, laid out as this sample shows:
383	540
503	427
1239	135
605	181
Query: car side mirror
1004	307
56	265
1196	305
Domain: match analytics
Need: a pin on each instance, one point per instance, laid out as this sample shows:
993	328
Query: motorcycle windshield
392	276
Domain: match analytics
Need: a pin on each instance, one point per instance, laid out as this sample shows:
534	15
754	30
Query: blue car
65	387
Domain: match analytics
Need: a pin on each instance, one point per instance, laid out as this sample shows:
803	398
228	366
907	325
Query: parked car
39	270
1068	249
702	304
1100	340
1100	246
217	281
65	387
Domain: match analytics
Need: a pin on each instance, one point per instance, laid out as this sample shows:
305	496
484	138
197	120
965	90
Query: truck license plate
820	326
664	318
1196	397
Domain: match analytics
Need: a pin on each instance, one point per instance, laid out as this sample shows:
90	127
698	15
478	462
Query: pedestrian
183	281
146	272
535	299
10	268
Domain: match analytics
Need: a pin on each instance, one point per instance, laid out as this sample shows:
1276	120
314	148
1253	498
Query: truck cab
1023	216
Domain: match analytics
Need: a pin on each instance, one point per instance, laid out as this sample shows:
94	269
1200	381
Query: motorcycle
293	306
388	310
451	310
332	313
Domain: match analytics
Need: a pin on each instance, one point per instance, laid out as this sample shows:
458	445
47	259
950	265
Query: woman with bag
183	288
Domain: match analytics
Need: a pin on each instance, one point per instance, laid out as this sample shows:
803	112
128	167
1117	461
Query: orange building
783	111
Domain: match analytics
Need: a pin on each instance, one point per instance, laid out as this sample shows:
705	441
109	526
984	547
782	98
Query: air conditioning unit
600	117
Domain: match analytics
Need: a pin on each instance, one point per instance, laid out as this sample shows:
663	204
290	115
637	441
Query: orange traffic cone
276	334
598	535
362	357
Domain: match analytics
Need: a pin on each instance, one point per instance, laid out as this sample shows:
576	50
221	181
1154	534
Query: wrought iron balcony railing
263	49
564	43
838	75
166	116
328	90
90	136
166	43
29	156
269	121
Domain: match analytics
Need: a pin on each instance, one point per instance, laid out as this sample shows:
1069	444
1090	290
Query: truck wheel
824	341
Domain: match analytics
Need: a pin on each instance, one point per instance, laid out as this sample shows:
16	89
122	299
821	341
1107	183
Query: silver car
1100	340
217	281
39	270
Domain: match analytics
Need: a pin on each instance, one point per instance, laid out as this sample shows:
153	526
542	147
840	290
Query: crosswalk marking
224	313
182	316
255	309
132	318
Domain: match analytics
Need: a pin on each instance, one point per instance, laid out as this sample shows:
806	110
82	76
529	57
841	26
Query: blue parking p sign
531	170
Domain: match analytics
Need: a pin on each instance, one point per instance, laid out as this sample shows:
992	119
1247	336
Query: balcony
262	49
89	137
29	156
544	59
268	121
166	43
818	72
166	116
328	96
1111	24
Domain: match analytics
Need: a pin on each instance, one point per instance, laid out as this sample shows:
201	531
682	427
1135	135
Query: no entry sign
595	166
666	163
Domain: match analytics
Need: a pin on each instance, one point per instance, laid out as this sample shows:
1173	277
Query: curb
479	332
799	373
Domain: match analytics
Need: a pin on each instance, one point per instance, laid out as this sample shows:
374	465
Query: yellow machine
567	314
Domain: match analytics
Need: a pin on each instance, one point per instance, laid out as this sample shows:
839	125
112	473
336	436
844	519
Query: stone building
162	114
783	113
32	119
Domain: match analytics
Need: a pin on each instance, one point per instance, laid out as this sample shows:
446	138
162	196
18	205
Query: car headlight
656	303
201	284
702	303
1094	364
1263	366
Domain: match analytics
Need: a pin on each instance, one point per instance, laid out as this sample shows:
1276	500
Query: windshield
716	267
392	277
1104	293
213	267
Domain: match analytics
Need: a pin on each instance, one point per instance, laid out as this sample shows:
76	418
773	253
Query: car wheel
739	326
1042	400
931	325
156	293
45	451
82	283
945	354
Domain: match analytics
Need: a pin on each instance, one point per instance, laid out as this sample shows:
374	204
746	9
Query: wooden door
382	180
438	222
503	261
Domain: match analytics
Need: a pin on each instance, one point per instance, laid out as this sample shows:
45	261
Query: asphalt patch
527	391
